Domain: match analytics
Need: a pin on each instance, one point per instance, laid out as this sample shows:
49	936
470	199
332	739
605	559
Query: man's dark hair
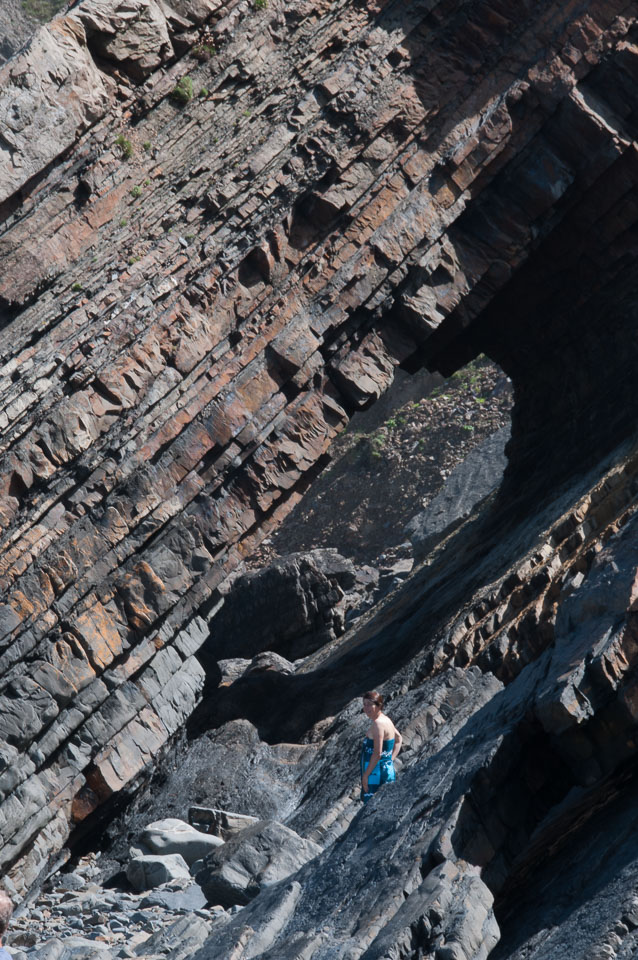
6	909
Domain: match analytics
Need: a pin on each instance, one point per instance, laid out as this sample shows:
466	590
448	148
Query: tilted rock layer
196	294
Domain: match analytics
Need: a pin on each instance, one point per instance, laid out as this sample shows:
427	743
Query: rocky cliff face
224	227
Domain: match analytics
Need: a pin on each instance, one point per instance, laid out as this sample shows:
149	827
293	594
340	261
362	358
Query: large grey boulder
173	836
469	483
257	857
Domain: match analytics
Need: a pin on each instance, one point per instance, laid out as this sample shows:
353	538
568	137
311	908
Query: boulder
236	667
145	872
173	836
131	33
258	857
177	896
291	607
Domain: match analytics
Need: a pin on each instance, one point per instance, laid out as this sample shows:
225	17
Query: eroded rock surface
197	292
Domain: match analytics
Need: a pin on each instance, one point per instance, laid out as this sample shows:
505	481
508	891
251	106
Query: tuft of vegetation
77	287
182	92
132	260
147	145
123	222
42	10
136	191
204	92
203	52
125	146
260	4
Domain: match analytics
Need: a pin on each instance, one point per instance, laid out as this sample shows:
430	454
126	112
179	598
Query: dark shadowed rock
291	607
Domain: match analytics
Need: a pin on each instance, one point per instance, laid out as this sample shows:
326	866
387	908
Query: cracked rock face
223	228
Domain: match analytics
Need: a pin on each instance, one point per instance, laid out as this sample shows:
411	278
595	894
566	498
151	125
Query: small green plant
123	222
125	146
203	52
133	260
136	191
247	113
147	182
182	92
147	145
480	399
391	423
190	236
203	92
77	287
260	4
377	443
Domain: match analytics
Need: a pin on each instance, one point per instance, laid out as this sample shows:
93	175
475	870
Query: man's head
6	909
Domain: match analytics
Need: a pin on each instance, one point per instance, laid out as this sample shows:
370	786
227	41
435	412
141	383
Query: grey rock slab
469	483
276	908
259	856
175	836
177	941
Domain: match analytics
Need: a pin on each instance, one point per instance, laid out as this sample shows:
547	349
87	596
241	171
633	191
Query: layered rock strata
197	292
